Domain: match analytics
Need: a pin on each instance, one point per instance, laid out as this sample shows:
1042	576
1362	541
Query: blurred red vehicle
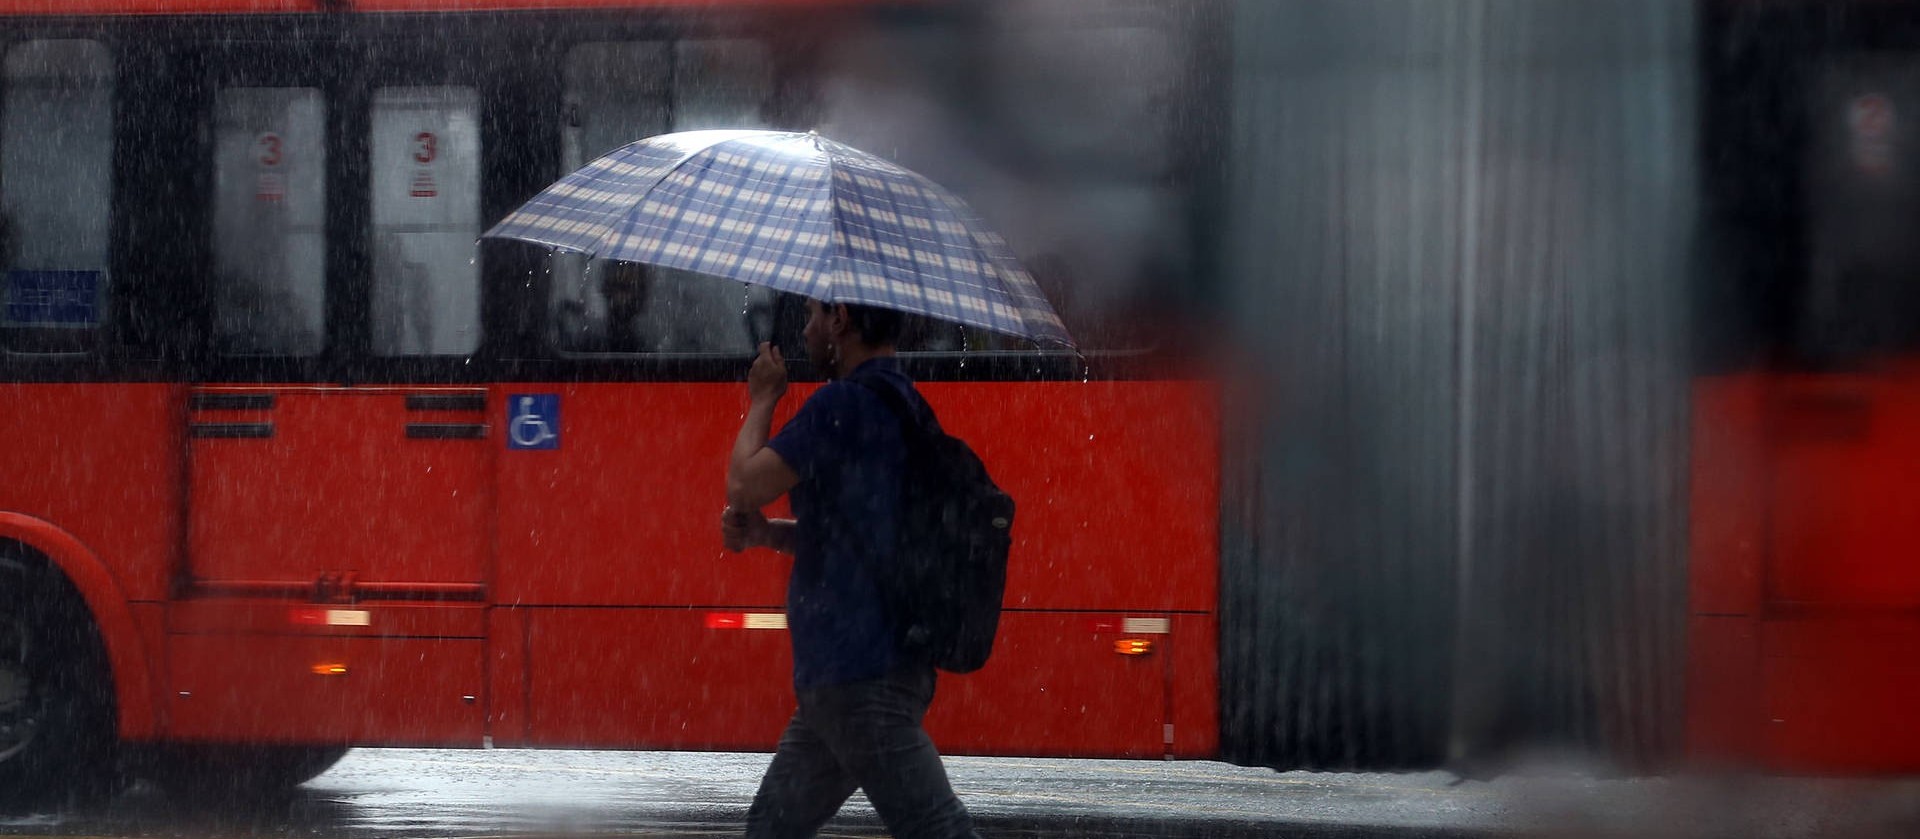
297	465
294	464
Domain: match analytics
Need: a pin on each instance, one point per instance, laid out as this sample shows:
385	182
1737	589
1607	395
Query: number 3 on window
269	143
425	147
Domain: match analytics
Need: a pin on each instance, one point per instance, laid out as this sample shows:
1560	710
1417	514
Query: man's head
837	332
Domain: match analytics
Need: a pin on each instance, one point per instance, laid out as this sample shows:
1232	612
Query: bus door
336	529
634	635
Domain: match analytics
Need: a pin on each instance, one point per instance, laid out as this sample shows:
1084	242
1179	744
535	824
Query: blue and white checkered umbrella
794	212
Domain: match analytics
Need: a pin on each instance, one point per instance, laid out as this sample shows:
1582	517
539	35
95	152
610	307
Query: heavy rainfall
1433	418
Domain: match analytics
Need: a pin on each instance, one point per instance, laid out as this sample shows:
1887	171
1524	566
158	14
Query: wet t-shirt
846	446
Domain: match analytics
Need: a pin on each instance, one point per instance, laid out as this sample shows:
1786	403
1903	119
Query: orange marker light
1133	646
330	669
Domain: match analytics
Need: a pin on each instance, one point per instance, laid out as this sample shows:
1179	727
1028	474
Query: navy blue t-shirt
846	445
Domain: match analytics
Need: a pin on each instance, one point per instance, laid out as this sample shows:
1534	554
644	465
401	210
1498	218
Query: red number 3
425	146
269	149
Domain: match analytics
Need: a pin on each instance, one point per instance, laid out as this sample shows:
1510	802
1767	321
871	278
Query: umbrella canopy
794	212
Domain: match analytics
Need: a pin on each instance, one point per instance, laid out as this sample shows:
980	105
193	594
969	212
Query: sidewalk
406	793
707	794
1196	799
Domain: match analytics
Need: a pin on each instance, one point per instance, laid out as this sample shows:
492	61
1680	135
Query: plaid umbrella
794	212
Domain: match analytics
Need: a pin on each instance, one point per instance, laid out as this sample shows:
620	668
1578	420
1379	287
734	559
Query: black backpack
956	528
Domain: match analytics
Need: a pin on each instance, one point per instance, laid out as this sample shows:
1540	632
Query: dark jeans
867	736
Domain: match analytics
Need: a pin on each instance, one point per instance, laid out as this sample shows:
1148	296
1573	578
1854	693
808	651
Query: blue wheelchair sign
533	421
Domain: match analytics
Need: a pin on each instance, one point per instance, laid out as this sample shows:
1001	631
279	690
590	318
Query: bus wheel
240	773
57	738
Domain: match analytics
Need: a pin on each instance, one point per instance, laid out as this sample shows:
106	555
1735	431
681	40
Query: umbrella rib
836	255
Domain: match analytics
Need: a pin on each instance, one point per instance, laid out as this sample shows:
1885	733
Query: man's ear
841	320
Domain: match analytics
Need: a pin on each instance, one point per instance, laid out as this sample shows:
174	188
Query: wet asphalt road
416	793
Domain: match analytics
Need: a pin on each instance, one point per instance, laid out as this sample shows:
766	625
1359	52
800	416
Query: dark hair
877	326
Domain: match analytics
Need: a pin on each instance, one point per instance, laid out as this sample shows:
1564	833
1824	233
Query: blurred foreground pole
1455	524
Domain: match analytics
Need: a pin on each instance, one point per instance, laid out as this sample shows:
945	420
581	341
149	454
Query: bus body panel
654	678
129	657
1840	692
624	509
380	487
96	487
1193	676
1724	723
615	528
1846	509
1805	600
103	464
696	679
620	622
274	671
506	666
1117	486
1057	686
326	689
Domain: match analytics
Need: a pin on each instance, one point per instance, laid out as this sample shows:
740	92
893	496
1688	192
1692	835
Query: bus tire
240	773
58	741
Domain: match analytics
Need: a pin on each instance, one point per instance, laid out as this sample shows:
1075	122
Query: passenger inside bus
624	286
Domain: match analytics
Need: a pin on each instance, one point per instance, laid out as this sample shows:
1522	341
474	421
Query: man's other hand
740	530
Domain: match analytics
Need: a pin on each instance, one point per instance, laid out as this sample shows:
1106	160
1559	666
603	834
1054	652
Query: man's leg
803	787
874	730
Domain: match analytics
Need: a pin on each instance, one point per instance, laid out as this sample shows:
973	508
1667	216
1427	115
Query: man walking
861	699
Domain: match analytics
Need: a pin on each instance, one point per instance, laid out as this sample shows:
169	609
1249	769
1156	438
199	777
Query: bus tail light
746	620
321	616
1133	646
1132	626
330	668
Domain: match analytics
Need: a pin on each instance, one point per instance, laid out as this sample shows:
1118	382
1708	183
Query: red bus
299	466
295	465
1805	594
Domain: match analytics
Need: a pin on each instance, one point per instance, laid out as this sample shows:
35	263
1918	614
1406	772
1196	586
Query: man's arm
756	475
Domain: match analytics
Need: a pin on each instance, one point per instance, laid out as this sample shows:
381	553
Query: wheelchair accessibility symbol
533	421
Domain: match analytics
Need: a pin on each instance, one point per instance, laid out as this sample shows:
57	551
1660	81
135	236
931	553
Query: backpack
956	528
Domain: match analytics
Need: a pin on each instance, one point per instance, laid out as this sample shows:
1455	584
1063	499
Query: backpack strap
910	425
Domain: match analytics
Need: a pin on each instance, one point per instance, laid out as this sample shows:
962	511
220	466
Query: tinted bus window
1103	233
426	218
56	153
617	93
1083	175
1860	300
269	247
720	84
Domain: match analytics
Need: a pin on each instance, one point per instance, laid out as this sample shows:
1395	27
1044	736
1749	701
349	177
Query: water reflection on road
384	793
379	793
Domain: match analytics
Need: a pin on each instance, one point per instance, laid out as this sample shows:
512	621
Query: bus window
1093	110
720	84
1860	300
426	218
616	93
56	153
1083	177
269	247
620	92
